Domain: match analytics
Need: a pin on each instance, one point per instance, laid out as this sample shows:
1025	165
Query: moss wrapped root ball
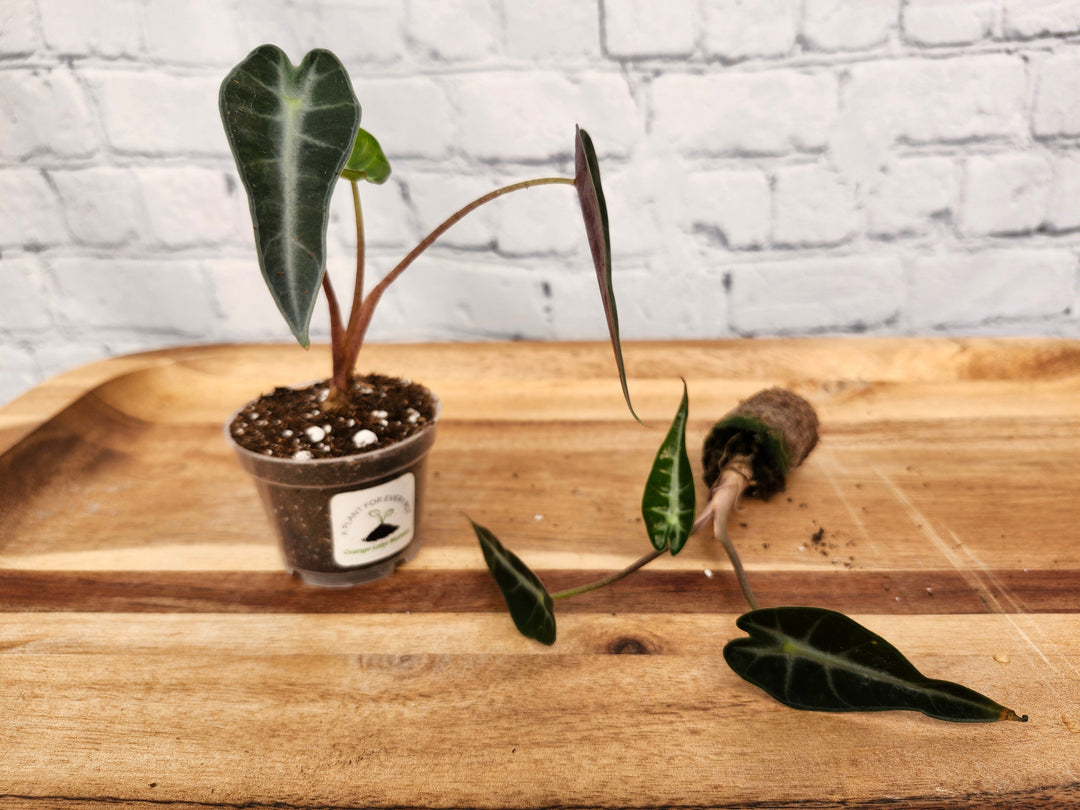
776	427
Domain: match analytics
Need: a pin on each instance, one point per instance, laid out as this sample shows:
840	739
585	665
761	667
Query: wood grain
152	653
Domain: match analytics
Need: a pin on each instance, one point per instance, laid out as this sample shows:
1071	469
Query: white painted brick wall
772	167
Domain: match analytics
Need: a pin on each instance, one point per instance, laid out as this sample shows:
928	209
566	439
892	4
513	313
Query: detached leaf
291	130
667	505
594	212
367	161
530	604
817	659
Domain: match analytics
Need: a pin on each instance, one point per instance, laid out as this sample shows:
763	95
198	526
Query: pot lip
316	463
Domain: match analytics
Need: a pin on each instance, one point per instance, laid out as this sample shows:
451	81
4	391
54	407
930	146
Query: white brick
44	112
651	301
531	116
635	202
927	101
744	113
1063	211
275	21
109	28
53	357
441	298
154	295
195	32
910	194
410	117
453	30
814	295
383	23
1057	96
842	25
964	290
738	29
541	220
388	219
813	206
19	31
554	29
1036	18
30	213
155	113
244	308
437	196
1005	194
188	206
18	371
948	22
732	206
643	28
25	303
102	206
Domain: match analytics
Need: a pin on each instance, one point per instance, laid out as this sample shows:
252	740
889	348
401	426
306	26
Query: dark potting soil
291	423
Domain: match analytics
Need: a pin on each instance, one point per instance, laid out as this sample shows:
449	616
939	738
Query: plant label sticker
375	523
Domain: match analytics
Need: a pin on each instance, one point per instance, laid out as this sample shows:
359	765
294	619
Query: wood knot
628	645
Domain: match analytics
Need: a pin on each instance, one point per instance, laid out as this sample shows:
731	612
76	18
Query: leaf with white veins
530	605
820	660
291	130
667	504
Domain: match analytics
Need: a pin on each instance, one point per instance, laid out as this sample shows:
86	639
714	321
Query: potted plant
334	459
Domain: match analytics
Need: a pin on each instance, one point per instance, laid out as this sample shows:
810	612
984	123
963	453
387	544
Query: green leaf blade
667	504
530	604
291	130
367	161
595	215
820	660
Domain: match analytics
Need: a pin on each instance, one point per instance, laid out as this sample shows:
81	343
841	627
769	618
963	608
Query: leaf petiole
600	583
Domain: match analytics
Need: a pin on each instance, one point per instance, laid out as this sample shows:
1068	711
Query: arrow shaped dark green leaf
291	130
667	505
367	161
817	659
530	604
594	213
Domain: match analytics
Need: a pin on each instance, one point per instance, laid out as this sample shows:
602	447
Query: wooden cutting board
153	653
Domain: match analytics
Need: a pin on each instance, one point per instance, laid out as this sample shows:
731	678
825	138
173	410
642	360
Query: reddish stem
340	379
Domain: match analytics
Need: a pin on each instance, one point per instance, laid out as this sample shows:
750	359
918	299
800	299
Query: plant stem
734	478
358	286
600	583
340	378
358	327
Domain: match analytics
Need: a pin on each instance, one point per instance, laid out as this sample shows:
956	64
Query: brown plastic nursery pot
349	520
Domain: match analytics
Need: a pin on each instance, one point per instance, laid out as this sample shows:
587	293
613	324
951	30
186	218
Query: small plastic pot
350	520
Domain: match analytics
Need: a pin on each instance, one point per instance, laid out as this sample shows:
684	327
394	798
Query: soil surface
290	422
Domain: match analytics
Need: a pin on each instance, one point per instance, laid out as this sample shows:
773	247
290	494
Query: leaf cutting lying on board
291	130
667	504
821	660
594	212
530	604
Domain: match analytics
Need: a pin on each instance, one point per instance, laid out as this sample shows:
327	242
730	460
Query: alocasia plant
294	130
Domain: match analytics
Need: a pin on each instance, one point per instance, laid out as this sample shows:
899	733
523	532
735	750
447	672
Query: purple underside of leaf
594	215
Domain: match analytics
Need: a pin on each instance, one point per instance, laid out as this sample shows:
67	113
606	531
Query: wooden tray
152	650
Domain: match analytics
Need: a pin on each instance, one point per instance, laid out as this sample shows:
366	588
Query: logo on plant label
375	523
